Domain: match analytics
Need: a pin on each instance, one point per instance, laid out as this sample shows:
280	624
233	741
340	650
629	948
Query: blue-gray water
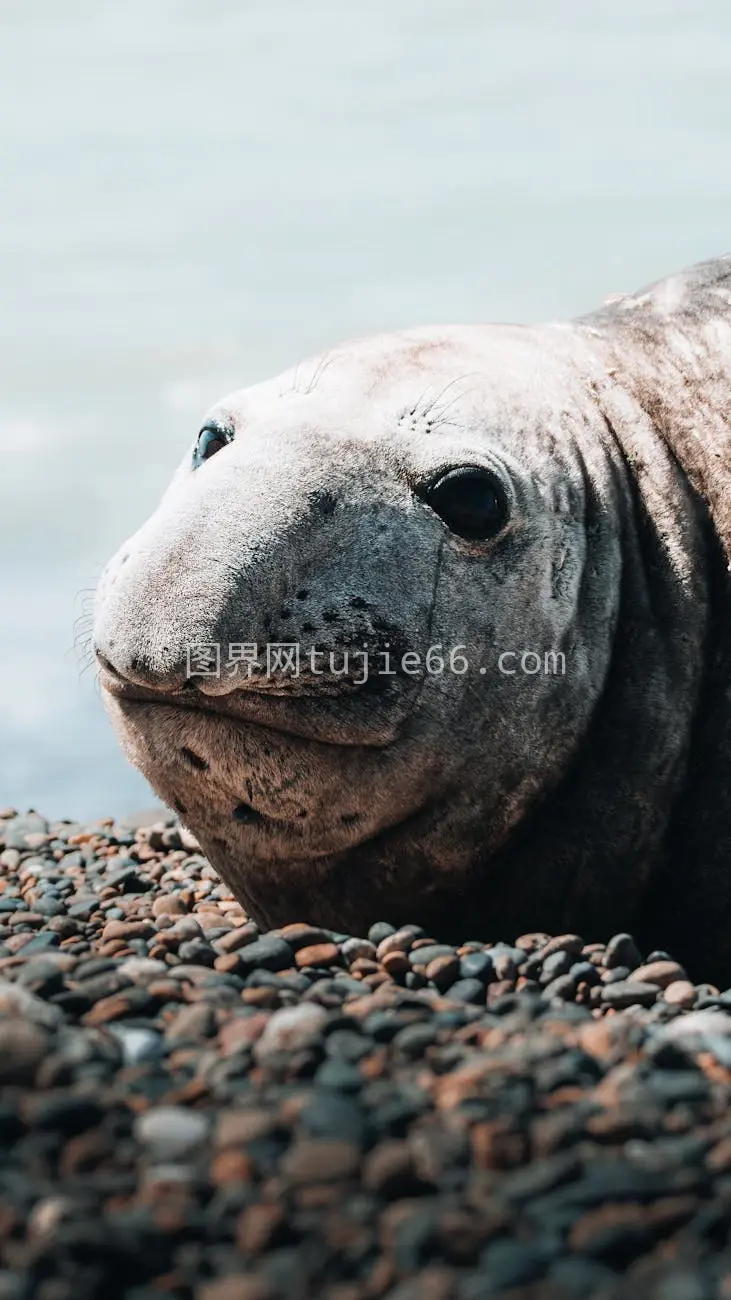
196	193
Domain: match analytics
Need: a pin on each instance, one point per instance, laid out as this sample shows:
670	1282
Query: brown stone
533	941
311	1160
461	1233
127	930
668	1212
238	1286
346	1291
600	1038
718	1158
258	1226
83	1153
115	948
167	990
266	998
111	1008
680	993
395	964
241	1031
660	973
570	943
236	939
231	1166
17	941
169	905
192	1022
393	1219
237	1127
443	972
364	966
401	941
22	1048
496	1144
380	1277
389	1167
317	954
301	935
228	963
497	989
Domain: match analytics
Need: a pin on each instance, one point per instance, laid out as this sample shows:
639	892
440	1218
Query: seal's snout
278	581
139	671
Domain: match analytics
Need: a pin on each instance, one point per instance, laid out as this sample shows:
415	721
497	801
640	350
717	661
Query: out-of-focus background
197	193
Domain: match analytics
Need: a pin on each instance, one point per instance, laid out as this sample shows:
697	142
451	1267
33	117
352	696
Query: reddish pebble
401	941
231	1166
395	964
317	954
236	939
681	993
168	905
443	972
127	930
660	973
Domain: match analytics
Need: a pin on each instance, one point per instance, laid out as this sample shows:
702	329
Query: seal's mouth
263	778
367	714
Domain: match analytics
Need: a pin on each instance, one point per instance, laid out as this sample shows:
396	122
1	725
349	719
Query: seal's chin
264	778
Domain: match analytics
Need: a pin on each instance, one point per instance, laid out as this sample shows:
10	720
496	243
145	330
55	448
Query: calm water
197	193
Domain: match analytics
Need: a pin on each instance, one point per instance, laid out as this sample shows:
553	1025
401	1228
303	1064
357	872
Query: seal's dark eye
210	440
472	502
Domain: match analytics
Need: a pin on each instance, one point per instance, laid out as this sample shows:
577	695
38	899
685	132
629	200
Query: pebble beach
194	1109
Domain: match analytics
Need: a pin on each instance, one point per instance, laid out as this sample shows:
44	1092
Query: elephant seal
544	510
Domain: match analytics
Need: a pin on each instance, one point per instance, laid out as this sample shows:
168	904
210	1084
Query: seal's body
545	512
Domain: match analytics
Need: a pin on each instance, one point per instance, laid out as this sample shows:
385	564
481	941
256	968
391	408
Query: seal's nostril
303	594
325	503
194	759
247	815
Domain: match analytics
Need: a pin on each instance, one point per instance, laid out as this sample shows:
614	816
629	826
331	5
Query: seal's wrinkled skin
594	799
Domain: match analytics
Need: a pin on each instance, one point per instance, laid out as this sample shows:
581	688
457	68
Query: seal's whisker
417	408
459	379
320	369
293	386
459	397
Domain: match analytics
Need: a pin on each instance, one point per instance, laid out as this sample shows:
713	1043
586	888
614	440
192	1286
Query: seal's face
364	632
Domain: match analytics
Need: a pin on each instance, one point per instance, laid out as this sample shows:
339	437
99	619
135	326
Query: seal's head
419	539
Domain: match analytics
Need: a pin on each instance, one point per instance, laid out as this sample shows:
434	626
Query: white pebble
171	1132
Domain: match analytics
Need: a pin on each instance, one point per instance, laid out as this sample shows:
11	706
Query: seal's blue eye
212	438
472	502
